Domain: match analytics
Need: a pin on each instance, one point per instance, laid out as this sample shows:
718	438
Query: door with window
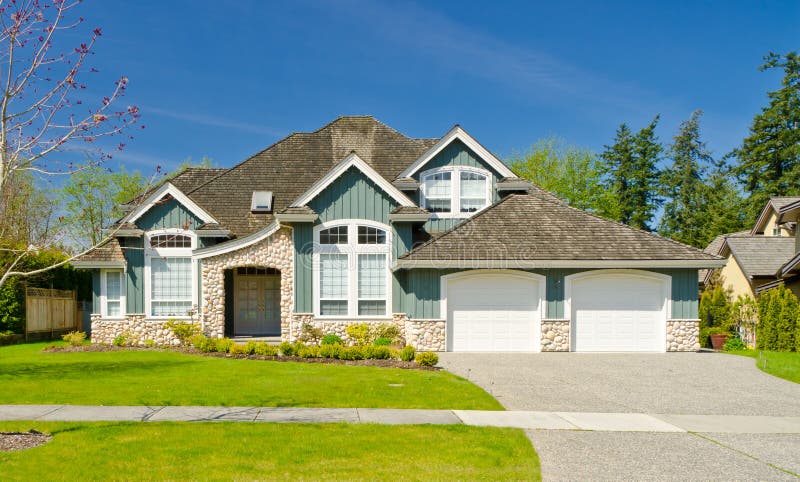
257	302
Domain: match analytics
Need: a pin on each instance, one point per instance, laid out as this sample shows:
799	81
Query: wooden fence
50	311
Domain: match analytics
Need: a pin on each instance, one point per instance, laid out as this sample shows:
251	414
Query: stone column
555	335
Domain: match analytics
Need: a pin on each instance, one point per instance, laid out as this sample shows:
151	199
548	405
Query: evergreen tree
683	187
723	206
619	162
769	157
644	187
784	339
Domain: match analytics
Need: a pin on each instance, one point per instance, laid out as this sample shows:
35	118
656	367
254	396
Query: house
764	257
356	222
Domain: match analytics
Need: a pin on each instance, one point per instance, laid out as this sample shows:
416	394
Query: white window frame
150	253
104	294
455	190
254	207
352	249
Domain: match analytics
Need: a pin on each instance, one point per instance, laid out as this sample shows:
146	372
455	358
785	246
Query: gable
353	195
457	154
168	213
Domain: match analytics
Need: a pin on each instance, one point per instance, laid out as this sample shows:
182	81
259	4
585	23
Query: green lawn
27	375
785	365
250	451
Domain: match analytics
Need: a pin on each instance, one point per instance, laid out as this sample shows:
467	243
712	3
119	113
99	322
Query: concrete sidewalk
530	420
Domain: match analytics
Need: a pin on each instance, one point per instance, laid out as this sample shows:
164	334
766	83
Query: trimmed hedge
778	328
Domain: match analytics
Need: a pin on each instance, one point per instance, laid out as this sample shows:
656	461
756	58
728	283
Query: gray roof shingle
107	251
533	227
715	247
761	255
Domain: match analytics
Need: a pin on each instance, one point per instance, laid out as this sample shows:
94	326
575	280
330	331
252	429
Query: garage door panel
493	313
618	313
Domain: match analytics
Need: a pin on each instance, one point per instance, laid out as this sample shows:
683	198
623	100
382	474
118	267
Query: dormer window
261	202
456	191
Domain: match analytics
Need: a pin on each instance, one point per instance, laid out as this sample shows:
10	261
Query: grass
27	375
781	364
248	451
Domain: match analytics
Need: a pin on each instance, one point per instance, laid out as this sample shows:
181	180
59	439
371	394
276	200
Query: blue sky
227	79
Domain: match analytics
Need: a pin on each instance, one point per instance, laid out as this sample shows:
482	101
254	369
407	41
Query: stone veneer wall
424	335
276	252
555	335
683	335
136	329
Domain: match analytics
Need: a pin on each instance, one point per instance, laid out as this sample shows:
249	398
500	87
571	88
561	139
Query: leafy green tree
769	157
572	173
631	176
93	198
683	186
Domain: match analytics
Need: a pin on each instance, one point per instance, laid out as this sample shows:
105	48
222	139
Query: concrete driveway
668	383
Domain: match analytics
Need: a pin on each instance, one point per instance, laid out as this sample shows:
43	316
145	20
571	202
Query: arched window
455	191
351	269
169	273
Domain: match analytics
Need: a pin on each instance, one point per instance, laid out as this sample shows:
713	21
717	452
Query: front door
257	309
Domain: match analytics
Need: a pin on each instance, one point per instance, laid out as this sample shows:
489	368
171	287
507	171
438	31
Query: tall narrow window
113	293
473	191
333	283
438	192
371	284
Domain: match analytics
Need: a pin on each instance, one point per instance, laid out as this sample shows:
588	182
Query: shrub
408	353
394	353
250	347
286	348
223	345
265	349
332	339
734	344
204	344
377	352
330	350
119	340
183	330
359	333
778	312
351	353
386	330
382	341
310	334
310	351
237	349
715	310
74	338
149	343
427	359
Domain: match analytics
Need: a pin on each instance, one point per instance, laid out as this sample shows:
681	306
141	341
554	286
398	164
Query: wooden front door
257	309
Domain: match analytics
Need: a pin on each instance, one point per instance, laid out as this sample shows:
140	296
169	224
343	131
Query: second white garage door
619	311
493	312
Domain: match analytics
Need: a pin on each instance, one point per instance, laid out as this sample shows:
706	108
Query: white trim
104	297
168	188
124	233
235	244
97	264
150	253
444	280
409	217
212	233
296	218
666	281
352	250
557	263
458	133
455	190
352	160
265	209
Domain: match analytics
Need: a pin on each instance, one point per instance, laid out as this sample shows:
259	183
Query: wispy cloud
212	121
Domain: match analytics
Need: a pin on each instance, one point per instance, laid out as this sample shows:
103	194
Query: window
261	201
442	196
170	277
112	297
351	270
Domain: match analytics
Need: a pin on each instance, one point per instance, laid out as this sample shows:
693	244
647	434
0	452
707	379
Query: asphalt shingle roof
761	255
533	227
109	250
715	247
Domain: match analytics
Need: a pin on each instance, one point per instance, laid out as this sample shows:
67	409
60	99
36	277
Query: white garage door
619	313
493	312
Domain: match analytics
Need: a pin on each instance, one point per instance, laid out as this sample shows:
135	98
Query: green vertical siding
134	258
96	291
170	214
303	249
685	292
353	196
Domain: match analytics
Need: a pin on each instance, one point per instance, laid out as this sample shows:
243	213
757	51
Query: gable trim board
556	263
158	194
458	133
352	161
237	244
97	264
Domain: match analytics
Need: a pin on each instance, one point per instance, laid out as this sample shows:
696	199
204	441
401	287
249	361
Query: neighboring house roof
775	203
527	230
715	247
291	166
760	256
106	254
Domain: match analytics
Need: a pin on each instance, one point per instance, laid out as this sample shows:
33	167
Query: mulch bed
13	441
194	351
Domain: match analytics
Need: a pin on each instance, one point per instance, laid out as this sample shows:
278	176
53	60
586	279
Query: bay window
455	191
170	274
351	269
